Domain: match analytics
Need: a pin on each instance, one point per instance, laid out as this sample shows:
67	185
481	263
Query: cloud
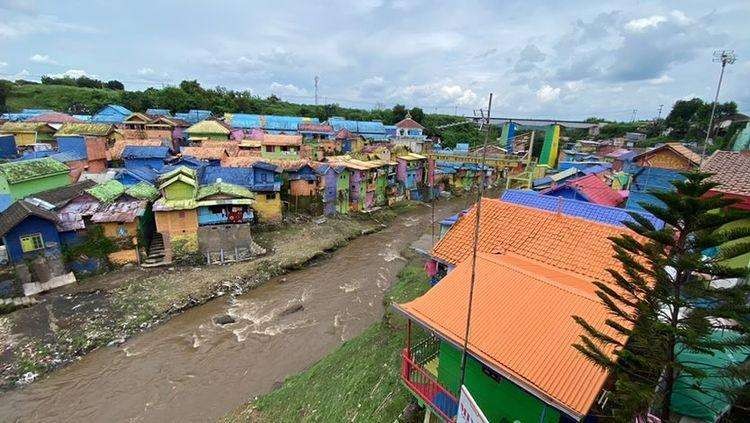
436	94
145	71
288	90
42	58
21	25
660	80
547	93
528	58
645	23
24	74
74	73
3	64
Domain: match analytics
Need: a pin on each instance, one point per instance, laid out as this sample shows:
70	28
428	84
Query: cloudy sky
575	60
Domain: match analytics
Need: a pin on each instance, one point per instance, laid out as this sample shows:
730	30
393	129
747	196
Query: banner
468	410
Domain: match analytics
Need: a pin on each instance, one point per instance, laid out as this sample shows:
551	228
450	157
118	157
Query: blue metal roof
111	113
269	122
73	144
68	156
194	116
158	112
144	152
589	211
233	175
83	118
597	168
365	128
146	174
580	165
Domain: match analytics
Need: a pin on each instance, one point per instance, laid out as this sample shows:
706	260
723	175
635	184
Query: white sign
468	410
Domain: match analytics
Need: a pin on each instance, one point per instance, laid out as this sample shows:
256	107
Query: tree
115	85
662	298
398	113
5	89
417	114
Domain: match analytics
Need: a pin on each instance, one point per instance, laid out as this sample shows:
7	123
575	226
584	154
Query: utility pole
634	112
317	79
658	115
725	57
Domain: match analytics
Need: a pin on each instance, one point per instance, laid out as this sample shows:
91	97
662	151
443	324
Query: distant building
111	113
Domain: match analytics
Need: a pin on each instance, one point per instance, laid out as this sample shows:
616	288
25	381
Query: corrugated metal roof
108	191
25	127
95	129
120	211
592	189
158	112
67	156
267	122
224	188
583	209
116	150
233	175
522	325
54	117
282	140
204	153
143	191
24	170
144	152
208	127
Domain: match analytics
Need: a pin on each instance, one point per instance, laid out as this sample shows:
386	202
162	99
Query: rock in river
224	319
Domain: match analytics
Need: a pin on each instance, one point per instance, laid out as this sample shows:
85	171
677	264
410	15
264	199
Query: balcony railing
424	385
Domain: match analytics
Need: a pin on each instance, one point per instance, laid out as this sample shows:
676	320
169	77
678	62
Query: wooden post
408	338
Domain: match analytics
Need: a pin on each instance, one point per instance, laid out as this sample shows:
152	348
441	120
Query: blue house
242	176
135	156
7	147
646	179
111	113
269	123
369	129
75	144
193	116
28	231
130	177
266	177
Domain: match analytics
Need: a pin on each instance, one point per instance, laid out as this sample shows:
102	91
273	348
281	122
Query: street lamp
725	57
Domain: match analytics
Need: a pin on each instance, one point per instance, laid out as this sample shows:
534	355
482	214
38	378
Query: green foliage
663	293
689	118
60	97
95	245
82	81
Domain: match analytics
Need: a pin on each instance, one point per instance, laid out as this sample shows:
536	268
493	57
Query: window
31	243
270	196
269	149
309	182
182	215
284	148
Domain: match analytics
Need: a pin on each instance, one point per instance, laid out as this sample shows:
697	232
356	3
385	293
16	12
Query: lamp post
725	57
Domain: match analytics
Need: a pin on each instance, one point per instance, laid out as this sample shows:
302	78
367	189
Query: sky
571	60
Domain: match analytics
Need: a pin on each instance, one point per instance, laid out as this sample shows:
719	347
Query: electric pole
725	57
317	79
634	112
658	115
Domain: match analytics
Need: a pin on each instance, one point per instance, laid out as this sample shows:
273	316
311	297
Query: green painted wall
179	191
500	401
380	185
548	157
342	193
26	188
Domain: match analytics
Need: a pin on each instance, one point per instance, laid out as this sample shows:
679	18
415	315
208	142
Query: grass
59	97
357	382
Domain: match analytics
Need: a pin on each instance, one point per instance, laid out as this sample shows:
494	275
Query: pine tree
663	299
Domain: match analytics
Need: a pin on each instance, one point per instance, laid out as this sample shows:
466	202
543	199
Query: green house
342	192
23	178
208	130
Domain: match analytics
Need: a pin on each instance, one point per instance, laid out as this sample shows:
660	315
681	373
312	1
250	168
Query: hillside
190	95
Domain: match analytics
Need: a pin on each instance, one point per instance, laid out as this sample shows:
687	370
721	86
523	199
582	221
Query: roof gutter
517	381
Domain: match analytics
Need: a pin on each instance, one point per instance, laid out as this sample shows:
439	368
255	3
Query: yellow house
28	133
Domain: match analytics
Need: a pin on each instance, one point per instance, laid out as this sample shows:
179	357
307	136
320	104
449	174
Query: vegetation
83	81
664	291
357	382
95	245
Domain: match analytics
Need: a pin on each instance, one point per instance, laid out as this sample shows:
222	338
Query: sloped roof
593	189
232	175
731	169
60	196
108	191
224	188
208	127
522	325
204	153
116	150
409	123
566	242
67	156
283	140
54	117
319	128
19	211
143	191
181	170
24	170
144	152
25	127
120	211
676	147
248	161
584	209
158	112
96	129
412	157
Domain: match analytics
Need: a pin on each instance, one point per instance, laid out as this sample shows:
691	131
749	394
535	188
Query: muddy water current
193	369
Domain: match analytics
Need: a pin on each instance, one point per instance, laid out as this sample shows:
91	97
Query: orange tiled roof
731	169
205	153
564	242
283	140
232	147
522	325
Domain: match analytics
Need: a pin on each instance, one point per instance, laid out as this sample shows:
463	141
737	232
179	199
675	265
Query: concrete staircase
155	256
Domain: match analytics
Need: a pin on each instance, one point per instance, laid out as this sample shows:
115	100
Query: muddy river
192	369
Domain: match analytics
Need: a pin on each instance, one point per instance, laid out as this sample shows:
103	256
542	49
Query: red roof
54	117
595	190
731	169
409	123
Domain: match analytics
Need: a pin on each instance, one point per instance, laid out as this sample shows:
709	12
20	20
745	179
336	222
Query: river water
191	369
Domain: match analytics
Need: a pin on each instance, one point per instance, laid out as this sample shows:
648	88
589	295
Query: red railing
421	382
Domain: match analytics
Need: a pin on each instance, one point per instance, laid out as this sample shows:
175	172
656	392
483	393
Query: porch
419	373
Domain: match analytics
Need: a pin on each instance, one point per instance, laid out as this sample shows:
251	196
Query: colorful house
372	130
175	212
208	130
23	178
302	190
211	155
103	130
8	149
28	231
587	188
671	155
410	173
124	213
280	146
269	123
266	184
144	156
93	150
535	268
28	133
342	189
112	114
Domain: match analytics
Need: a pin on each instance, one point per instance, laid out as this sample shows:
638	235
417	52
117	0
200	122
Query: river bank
108	309
357	382
192	368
